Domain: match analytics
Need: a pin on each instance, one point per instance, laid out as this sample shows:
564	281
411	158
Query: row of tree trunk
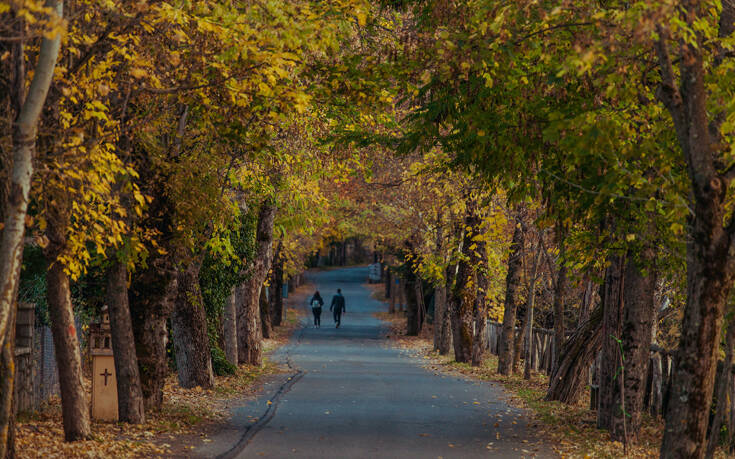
139	317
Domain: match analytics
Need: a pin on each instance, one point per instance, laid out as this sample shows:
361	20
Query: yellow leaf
361	18
138	72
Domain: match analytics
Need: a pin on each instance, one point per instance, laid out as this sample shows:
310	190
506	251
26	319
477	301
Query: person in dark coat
338	306
316	308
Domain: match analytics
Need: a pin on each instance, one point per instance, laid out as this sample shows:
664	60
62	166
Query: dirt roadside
571	428
187	419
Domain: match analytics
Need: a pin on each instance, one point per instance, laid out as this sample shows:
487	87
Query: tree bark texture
388	279
512	285
74	402
687	413
710	263
7	388
559	298
527	323
249	329
189	327
479	340
442	321
151	303
464	291
639	312
518	338
277	299
461	328
567	382
723	389
24	141
265	317
229	328
413	321
129	392
420	303
612	318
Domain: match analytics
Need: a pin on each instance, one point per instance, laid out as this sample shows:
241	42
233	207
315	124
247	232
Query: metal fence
37	377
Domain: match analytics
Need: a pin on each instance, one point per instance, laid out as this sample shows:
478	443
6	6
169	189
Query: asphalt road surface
356	397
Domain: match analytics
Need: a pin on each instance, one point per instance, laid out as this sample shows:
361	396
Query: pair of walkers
337	307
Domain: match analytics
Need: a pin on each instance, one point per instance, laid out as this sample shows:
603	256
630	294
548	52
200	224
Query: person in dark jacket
316	308
338	306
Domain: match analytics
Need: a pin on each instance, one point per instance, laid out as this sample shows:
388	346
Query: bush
220	365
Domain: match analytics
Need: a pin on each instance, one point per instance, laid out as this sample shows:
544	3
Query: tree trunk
638	316
612	318
74	403
710	263
442	323
464	292
24	141
249	329
189	327
420	303
567	382
15	88
479	339
129	392
692	383
512	284
229	326
151	303
461	328
265	317
277	299
560	295
413	321
482	285
527	323
723	389
7	388
388	279
587	299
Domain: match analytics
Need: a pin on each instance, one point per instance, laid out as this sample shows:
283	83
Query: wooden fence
24	358
658	380
36	377
543	348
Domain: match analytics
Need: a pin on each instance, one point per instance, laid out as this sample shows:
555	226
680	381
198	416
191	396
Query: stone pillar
104	382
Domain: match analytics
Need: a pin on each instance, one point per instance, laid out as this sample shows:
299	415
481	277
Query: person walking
316	308
338	306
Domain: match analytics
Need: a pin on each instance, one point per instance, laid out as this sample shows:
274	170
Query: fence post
24	380
595	382
656	383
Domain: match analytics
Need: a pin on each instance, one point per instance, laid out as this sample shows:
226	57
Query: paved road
359	398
